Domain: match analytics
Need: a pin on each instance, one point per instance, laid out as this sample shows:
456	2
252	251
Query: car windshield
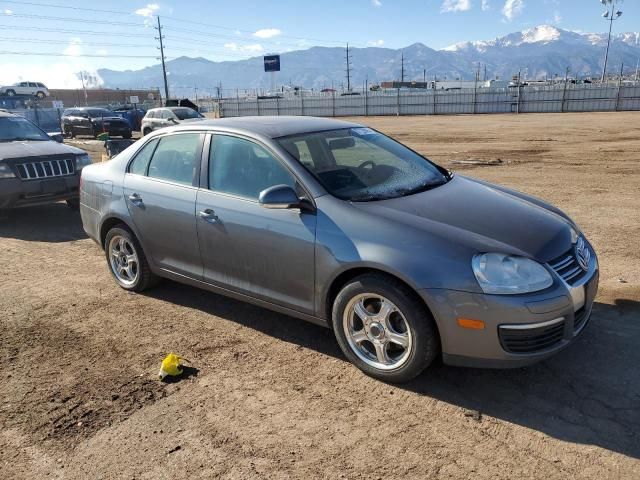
185	113
13	129
99	112
360	164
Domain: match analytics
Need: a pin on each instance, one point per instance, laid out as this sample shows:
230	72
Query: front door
161	195
267	254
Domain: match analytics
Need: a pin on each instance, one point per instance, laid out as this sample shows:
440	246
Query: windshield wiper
421	188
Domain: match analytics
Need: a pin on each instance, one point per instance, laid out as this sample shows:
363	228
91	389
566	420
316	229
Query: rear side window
243	168
31	84
139	164
175	158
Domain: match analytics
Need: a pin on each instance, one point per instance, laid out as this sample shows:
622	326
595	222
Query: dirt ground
270	396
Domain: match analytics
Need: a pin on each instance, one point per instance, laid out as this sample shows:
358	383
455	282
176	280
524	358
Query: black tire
127	135
145	278
425	347
40	95
74	204
10	93
146	132
72	132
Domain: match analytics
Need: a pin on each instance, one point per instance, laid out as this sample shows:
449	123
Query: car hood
10	150
482	216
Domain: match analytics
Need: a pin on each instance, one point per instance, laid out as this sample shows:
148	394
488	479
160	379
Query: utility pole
348	58
614	15
164	68
424	78
402	69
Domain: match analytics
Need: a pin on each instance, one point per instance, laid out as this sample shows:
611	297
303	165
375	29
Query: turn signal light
472	324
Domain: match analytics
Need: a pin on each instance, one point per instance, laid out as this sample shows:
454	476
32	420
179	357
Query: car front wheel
384	329
127	261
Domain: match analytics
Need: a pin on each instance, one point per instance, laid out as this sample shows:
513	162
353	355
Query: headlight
5	171
82	161
498	273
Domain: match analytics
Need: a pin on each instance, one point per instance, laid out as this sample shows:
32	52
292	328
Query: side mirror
279	196
173	120
56	137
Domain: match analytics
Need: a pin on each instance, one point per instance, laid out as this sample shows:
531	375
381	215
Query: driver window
166	114
243	168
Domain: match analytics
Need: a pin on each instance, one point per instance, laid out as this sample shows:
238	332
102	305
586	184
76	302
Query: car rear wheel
127	135
10	93
146	131
384	329
40	95
127	261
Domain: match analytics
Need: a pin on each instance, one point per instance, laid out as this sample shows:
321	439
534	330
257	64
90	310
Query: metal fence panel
526	99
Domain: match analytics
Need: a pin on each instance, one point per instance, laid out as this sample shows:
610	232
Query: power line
51	54
62	30
75	20
66	42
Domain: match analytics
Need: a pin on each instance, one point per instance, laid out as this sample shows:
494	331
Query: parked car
166	117
132	115
93	121
336	223
36	89
35	169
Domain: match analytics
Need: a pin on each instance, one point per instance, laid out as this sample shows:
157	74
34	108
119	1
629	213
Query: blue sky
230	30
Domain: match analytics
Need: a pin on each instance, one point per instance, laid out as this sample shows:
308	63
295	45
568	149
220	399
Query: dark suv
94	121
35	169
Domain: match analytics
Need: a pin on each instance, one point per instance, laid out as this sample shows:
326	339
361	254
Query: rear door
264	253
160	191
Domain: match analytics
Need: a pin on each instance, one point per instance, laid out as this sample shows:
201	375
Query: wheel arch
111	222
344	277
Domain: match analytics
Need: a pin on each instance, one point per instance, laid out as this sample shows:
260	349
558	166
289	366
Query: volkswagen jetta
338	224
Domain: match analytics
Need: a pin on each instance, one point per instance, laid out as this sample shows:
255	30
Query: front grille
46	169
568	268
515	339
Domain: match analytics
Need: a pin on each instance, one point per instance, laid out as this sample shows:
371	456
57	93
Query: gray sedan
338	224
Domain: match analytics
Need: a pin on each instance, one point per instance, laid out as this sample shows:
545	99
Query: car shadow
53	223
589	393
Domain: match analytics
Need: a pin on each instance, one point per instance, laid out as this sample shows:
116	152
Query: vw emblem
583	255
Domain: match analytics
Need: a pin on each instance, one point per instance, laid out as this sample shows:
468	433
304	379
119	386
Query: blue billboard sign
272	63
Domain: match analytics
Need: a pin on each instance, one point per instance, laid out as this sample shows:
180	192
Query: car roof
275	127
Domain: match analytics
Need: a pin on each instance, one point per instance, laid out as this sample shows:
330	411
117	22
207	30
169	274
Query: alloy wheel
123	260
377	331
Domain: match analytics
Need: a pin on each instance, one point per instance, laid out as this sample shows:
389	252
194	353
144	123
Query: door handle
209	215
135	199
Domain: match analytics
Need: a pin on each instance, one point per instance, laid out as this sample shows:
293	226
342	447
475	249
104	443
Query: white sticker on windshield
362	131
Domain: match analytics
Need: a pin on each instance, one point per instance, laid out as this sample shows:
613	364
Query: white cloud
149	10
512	8
252	48
376	43
455	6
74	49
485	5
8	12
102	51
267	33
376	3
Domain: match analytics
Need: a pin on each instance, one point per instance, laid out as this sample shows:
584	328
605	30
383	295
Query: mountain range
540	52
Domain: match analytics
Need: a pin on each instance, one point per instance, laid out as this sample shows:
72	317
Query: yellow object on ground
171	366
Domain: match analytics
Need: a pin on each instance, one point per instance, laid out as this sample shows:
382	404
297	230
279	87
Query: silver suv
36	89
166	117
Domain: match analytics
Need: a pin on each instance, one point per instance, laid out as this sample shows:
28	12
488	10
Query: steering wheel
366	163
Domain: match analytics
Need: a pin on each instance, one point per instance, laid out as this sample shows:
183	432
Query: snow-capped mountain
543	51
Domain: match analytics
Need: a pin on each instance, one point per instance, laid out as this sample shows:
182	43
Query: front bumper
16	193
519	329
